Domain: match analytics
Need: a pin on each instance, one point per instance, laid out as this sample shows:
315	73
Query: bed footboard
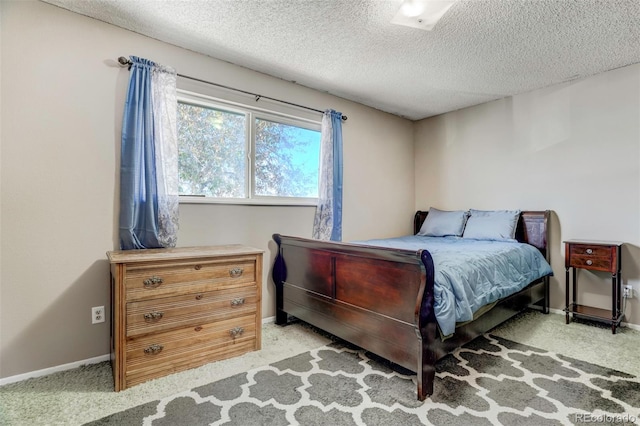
380	299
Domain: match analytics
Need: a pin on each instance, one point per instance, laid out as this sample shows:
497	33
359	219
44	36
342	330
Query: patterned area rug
490	381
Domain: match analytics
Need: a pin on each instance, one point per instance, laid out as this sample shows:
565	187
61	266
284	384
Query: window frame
251	114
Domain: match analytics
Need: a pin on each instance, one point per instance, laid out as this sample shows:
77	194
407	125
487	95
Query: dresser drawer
164	353
150	316
145	281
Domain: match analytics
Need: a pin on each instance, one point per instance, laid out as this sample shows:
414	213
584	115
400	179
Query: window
211	152
234	154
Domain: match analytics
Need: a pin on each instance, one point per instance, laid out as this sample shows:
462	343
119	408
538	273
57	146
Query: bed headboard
532	228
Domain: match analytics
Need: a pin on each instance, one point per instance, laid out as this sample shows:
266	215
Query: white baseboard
268	320
95	360
556	311
622	324
51	370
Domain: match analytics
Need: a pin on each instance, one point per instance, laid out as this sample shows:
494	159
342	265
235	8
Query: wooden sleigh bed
382	299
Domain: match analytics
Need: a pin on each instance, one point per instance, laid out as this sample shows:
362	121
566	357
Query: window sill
299	202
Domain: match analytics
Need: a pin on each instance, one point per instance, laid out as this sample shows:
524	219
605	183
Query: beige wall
61	109
572	148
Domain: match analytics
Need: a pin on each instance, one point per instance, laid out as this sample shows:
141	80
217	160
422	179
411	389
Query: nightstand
601	256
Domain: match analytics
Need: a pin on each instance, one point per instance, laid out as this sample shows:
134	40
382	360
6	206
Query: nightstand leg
574	290
566	290
614	302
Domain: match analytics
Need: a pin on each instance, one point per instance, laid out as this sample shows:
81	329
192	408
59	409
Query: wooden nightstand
595	256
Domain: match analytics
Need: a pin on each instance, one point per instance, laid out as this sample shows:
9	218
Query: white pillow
496	225
442	223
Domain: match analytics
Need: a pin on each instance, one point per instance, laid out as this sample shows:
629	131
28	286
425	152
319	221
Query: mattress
470	274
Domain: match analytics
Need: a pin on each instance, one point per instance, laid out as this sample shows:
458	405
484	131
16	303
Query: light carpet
490	381
81	395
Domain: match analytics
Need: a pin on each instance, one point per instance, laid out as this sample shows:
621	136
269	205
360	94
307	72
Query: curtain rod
124	61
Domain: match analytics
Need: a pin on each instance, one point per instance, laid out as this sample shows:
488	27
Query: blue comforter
472	273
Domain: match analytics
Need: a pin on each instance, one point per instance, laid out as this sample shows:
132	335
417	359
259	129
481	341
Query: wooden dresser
175	309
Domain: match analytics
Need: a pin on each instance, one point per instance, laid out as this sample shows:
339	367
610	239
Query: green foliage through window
214	143
287	160
211	152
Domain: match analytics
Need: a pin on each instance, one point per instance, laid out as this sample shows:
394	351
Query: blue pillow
441	223
497	225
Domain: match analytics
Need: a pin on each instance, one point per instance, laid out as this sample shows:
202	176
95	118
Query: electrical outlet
627	292
97	314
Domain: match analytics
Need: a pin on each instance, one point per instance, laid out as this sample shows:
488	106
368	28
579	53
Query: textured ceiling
481	50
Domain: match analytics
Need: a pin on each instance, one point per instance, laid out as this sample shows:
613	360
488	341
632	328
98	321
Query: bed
382	298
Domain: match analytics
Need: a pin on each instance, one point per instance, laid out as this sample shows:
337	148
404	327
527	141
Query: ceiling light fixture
411	8
421	14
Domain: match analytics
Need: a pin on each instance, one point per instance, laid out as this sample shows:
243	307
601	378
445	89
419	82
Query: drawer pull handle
235	272
589	262
198	267
199	297
153	282
198	328
236	331
154	349
589	251
237	301
153	316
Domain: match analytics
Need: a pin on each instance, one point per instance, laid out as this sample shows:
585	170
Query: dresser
603	256
179	308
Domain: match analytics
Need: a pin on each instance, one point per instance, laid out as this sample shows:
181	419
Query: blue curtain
327	224
143	222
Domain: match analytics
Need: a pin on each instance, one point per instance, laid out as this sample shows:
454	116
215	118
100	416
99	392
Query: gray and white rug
491	381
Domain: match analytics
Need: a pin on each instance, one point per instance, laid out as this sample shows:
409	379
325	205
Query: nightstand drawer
586	262
589	250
